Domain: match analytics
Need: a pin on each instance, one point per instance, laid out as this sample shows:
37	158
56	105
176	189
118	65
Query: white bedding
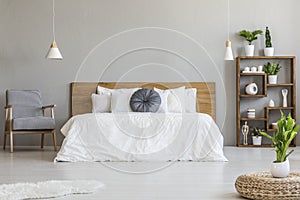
141	137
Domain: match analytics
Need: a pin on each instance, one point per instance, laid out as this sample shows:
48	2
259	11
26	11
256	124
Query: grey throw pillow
145	100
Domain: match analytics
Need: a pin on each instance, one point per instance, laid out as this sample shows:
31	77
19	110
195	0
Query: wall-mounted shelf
252	74
279	108
252	96
255	146
266	57
266	115
253	119
281	85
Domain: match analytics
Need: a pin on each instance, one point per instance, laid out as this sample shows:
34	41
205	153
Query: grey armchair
25	114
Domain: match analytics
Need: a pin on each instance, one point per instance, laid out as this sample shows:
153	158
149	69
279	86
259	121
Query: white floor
140	181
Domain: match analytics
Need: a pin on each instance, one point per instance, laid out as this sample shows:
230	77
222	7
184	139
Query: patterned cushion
145	100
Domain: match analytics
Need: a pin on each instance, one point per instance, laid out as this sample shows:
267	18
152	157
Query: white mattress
141	137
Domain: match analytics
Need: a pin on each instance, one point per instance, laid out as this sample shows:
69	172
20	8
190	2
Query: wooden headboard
81	94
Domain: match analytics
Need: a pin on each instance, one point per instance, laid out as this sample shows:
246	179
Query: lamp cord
228	18
53	19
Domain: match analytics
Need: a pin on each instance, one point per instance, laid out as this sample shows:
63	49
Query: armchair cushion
33	123
26	103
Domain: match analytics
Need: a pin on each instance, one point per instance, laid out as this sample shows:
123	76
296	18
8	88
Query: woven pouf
262	185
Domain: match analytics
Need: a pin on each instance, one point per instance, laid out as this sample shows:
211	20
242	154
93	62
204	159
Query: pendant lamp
228	51
53	52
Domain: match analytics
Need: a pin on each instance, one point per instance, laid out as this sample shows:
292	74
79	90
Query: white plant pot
272	79
256	140
280	170
249	50
269	51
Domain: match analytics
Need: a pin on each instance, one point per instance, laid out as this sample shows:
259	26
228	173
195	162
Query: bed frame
81	94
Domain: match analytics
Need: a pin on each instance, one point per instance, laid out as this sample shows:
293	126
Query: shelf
252	74
252	96
265	115
266	57
254	146
253	119
279	108
281	85
263	145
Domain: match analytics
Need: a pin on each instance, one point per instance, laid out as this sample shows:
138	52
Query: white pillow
176	99
163	108
101	90
191	100
101	103
120	99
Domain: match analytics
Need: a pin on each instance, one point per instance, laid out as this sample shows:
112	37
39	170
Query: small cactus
268	38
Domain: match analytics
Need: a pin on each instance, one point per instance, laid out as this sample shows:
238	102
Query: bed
141	136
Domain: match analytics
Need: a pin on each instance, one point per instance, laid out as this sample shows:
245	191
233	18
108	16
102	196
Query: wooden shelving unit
267	114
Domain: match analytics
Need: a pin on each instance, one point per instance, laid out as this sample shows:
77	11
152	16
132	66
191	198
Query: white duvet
141	137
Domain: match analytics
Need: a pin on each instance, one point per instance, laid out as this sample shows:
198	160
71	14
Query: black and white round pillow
145	100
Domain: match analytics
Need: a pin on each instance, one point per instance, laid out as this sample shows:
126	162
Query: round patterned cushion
145	100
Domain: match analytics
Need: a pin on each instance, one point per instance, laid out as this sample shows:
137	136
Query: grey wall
187	44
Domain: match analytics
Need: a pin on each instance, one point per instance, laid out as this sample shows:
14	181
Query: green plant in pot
268	50
272	70
284	135
250	36
256	135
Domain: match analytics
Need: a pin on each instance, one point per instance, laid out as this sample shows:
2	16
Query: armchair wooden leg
4	142
54	140
42	140
11	142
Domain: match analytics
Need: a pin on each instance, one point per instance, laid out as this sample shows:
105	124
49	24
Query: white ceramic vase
272	79
256	140
251	88
269	51
280	169
271	103
249	50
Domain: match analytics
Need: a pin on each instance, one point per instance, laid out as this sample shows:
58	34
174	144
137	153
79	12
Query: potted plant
250	37
286	132
268	50
256	136
272	69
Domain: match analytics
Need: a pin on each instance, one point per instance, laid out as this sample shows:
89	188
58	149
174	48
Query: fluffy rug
47	189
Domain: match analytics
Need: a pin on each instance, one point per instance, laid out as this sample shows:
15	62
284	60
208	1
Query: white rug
47	189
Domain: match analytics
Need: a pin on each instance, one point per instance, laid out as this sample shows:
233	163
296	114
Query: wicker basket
262	185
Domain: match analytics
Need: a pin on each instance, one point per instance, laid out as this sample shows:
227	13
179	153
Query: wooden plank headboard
81	94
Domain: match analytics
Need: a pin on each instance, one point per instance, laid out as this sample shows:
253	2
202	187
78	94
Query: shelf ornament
245	131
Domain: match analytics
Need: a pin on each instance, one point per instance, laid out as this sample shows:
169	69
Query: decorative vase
284	97
256	140
251	88
249	50
272	79
280	169
271	103
269	51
